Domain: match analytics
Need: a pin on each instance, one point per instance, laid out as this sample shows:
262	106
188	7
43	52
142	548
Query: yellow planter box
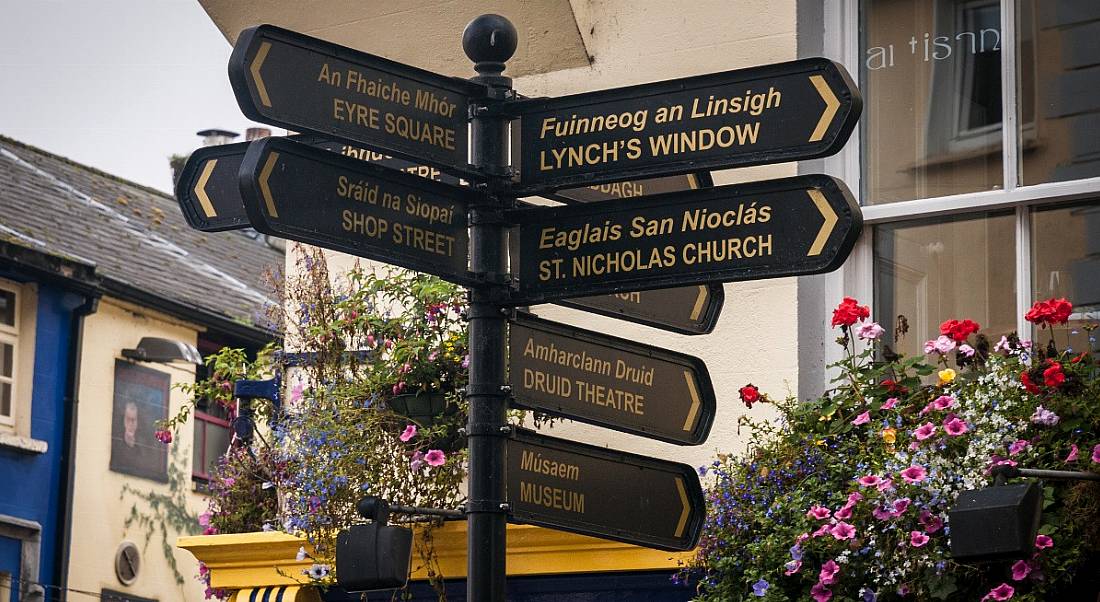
250	560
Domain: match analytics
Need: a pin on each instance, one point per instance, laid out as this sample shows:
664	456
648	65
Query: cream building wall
100	505
632	42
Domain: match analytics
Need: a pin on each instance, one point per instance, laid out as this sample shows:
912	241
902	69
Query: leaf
942	586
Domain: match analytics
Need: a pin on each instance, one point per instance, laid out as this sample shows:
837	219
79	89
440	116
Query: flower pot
424	407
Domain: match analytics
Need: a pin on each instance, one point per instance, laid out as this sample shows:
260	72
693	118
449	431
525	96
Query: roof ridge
85	167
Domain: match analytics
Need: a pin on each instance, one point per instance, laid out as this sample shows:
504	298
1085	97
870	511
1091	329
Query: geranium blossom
1053	376
917	539
959	330
1003	591
1045	417
870	331
946	375
966	350
914	474
750	394
941	345
849	312
1049	312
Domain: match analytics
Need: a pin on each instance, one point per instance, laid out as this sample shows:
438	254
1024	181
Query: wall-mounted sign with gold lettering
604	380
208	191
302	83
783	112
602	492
788	227
345	204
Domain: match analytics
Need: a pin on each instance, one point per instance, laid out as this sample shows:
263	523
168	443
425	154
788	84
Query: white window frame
841	43
10	336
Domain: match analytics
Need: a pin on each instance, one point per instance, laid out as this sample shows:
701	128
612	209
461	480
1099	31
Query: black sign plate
783	112
208	188
341	203
302	83
632	188
682	309
604	380
604	493
788	227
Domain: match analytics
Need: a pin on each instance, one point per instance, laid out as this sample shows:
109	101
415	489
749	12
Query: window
212	437
978	160
9	344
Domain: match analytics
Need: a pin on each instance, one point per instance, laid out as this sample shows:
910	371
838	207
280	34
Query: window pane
5	400
7	353
1066	263
217	442
1059	66
931	83
197	459
928	271
7	307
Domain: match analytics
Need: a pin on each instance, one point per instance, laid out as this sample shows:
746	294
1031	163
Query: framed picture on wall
141	399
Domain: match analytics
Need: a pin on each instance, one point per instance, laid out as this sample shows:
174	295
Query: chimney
214	137
256	133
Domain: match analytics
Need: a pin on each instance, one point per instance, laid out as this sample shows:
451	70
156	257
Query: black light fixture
374	556
1001	522
163	351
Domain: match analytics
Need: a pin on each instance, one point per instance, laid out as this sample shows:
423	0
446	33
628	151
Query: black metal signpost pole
489	40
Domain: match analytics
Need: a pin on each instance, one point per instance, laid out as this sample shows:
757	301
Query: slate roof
135	236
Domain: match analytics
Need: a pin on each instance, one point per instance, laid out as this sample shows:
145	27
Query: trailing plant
846	497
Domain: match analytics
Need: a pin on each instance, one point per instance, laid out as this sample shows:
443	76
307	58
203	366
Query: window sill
23	444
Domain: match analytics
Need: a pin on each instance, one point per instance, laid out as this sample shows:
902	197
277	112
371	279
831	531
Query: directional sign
602	492
341	203
783	112
608	381
787	227
208	188
682	309
632	188
301	83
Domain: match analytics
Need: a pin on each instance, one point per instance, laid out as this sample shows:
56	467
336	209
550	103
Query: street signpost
604	493
788	227
783	112
640	239
302	83
341	203
609	381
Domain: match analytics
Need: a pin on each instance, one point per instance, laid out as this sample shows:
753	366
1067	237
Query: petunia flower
1043	542
1003	591
843	530
821	531
317	571
1003	344
820	593
886	485
882	514
900	506
930	522
954	426
844	512
1072	457
854	498
1020	570
868	595
889	404
869	480
1017	446
914	474
408	433
917	539
863	418
924	431
828	573
818	512
792	567
435	457
760	588
1096	453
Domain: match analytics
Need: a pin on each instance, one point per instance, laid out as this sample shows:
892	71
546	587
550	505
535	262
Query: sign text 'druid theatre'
602	492
302	83
345	204
608	381
783	112
788	227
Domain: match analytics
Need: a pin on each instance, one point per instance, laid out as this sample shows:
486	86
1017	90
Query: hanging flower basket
425	408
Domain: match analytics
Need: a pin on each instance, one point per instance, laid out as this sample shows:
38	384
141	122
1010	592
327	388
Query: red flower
893	388
749	395
1083	356
849	312
163	435
1025	378
1049	312
957	330
1053	376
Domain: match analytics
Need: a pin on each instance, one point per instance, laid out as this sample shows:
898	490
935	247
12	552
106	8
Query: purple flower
1046	417
820	593
760	588
792	567
869	480
1043	542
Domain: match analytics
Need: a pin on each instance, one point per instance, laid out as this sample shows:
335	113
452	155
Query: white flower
301	555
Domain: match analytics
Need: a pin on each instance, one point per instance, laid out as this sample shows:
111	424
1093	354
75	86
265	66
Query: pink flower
801	538
1072	457
854	498
924	431
869	480
1017	446
818	512
435	457
954	426
163	435
1003	591
1096	453
863	418
966	350
210	531
822	530
792	567
843	530
882	514
829	572
408	433
820	593
870	331
370	340
399	388
942	345
417	460
1020	570
889	403
886	485
1043	542
296	392
931	522
900	506
844	512
914	474
204	519
943	402
229	481
917	539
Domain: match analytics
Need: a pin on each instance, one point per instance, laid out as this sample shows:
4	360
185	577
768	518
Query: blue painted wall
30	484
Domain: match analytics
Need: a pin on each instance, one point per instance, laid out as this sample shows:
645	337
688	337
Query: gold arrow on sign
700	302
200	188
265	47
832	105
265	173
687	507
826	228
693	411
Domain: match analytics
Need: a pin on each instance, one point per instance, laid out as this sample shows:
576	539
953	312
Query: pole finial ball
490	39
